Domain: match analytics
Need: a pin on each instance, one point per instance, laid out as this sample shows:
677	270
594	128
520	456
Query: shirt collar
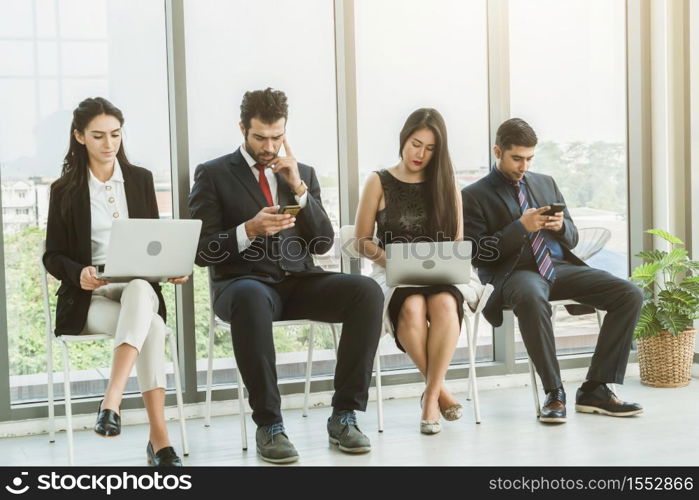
507	181
117	176
250	161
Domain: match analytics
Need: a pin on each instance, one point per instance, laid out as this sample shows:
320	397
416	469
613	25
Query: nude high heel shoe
429	426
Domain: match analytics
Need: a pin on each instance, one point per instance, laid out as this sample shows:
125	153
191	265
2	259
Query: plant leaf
690	284
645	273
678	300
675	323
693	264
675	256
652	256
660	233
648	324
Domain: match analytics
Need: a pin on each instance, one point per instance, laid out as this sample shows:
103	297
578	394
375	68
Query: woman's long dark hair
76	162
439	173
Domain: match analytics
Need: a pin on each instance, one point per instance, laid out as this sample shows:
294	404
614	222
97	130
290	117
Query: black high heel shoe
166	457
108	422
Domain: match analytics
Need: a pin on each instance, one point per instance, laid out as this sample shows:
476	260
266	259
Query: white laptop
151	249
428	263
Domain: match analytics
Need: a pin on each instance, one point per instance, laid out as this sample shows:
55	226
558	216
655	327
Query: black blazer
69	244
226	194
490	211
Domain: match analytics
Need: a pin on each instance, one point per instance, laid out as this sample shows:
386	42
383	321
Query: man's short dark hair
266	105
515	132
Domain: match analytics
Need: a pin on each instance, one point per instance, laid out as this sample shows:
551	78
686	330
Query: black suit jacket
490	213
226	194
69	244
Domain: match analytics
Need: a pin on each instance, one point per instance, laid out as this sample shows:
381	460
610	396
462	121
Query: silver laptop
428	263
151	249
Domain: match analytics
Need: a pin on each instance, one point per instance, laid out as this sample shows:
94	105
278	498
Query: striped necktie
542	255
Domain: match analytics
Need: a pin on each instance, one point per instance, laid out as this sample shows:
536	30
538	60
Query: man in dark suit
262	270
527	256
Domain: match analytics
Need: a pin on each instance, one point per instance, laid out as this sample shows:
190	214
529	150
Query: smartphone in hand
290	209
555	208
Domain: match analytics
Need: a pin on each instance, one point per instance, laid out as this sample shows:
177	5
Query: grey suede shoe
274	446
344	432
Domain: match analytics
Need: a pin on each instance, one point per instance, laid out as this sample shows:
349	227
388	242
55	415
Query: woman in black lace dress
418	198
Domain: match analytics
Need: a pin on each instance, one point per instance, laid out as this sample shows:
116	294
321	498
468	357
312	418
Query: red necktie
264	184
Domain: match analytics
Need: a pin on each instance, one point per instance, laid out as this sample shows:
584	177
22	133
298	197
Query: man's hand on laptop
88	279
268	222
178	281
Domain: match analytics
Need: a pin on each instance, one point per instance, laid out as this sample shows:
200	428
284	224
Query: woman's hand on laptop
88	279
178	281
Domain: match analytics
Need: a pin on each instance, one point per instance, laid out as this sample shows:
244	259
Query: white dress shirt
241	235
107	203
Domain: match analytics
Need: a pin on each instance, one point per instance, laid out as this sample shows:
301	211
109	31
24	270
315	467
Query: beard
260	157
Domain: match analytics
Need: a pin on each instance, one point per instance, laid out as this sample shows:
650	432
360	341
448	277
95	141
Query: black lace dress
402	220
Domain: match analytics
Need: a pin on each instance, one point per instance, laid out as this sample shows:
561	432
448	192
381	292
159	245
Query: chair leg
472	369
309	367
333	327
68	402
469	396
379	395
238	379
178	393
49	373
209	369
535	390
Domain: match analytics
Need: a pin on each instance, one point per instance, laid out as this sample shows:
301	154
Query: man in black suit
527	256
262	271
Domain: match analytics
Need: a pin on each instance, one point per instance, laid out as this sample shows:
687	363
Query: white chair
470	322
64	341
590	241
215	323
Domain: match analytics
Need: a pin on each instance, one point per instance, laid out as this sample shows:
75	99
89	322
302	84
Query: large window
235	46
409	57
567	61
52	56
567	67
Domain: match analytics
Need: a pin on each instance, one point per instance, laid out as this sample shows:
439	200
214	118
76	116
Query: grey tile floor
666	434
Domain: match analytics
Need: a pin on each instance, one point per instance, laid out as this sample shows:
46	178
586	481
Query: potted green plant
664	333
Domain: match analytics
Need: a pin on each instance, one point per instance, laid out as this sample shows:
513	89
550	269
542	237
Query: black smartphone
555	208
290	209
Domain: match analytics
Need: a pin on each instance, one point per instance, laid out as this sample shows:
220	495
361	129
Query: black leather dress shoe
602	400
166	457
108	422
554	409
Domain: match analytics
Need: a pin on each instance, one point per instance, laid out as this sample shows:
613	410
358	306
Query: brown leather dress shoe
554	409
603	401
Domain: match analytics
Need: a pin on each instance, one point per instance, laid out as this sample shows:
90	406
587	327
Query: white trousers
129	313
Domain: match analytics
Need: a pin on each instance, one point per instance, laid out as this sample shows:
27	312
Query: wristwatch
300	189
